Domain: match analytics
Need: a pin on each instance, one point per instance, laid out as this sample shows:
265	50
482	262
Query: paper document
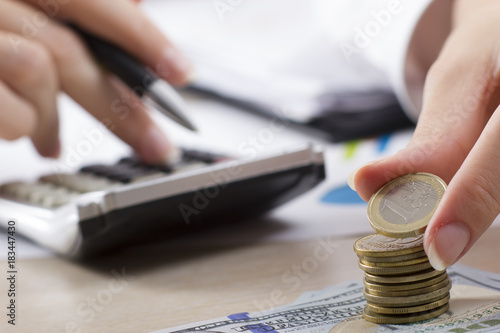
272	53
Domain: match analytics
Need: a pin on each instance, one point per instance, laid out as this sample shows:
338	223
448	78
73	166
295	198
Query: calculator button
44	194
197	155
80	182
124	172
136	162
17	190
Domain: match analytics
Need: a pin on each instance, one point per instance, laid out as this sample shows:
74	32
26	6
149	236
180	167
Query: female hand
457	135
41	57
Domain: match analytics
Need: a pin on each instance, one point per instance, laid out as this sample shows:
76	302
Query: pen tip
187	124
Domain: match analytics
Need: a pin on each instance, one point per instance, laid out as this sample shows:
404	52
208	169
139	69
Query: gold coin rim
403	263
395	270
390	279
405	286
409	309
397	258
395	320
416	228
394	253
407	301
412	292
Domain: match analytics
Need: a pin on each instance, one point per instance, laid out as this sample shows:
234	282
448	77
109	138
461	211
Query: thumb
458	99
459	94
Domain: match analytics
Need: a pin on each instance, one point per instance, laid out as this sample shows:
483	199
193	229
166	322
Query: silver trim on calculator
58	230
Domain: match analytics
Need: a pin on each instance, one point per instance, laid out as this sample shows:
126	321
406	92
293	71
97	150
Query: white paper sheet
271	52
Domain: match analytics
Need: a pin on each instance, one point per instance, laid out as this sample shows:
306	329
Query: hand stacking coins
401	287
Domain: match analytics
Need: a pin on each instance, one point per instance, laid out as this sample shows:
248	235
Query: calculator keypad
80	182
39	193
54	190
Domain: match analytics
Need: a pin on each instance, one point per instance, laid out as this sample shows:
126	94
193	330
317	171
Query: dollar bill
474	307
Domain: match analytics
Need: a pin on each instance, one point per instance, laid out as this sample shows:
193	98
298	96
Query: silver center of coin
408	202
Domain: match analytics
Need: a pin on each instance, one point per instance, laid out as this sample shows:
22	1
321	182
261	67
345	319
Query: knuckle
32	66
24	126
484	192
18	133
68	48
451	65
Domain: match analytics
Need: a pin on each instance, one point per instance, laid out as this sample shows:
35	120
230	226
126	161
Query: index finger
460	95
123	23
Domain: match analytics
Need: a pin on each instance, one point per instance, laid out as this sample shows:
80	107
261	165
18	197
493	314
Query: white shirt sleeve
400	38
293	52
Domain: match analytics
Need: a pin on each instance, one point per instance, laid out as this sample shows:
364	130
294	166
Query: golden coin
395	264
403	319
405	257
404	206
424	275
395	270
410	309
376	245
405	301
404	286
412	292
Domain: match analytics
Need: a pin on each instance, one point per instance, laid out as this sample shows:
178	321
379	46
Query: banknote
474	307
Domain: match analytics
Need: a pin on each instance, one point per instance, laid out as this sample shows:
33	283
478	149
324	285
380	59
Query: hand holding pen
40	57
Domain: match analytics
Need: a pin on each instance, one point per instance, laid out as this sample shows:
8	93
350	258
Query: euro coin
424	275
405	257
404	319
403	293
409	309
404	286
404	301
395	270
376	245
404	206
395	264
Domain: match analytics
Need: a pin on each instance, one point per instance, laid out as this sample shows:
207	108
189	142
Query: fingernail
178	62
56	150
50	151
155	146
448	244
350	179
174	156
352	176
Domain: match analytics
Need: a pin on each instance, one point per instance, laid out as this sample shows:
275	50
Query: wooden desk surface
165	286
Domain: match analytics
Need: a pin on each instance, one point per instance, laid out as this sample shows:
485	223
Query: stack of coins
401	286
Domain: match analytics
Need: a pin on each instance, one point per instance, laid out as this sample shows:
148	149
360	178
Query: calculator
102	208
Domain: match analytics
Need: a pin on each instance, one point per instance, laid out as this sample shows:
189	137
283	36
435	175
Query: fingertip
46	137
446	244
155	147
51	151
366	179
174	156
434	259
351	179
174	67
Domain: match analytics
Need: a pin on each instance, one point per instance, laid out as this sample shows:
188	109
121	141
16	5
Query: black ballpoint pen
140	79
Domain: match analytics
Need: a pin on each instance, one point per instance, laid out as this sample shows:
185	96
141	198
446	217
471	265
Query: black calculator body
106	207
